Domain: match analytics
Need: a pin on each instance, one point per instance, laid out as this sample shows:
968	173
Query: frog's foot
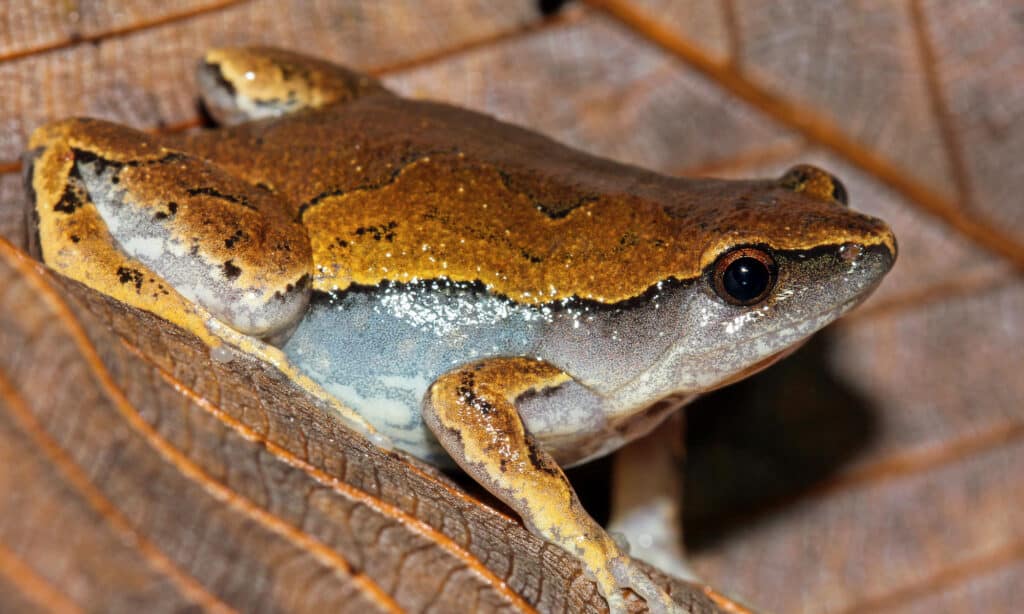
628	574
240	84
220	242
471	410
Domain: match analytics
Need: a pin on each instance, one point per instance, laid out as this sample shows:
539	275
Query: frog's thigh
219	241
471	410
647	497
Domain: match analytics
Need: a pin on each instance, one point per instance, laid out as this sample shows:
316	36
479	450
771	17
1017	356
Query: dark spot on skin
467	383
378	233
75	238
468	395
231	271
234	238
537	459
342	243
483	405
300	284
172	208
528	256
133	276
71	199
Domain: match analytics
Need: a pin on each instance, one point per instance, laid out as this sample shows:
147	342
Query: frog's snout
878	244
854	253
865	265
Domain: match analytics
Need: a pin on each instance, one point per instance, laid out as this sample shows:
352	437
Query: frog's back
394	190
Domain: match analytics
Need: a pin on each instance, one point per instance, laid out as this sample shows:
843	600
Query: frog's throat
669	371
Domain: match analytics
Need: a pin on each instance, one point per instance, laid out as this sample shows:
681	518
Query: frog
462	290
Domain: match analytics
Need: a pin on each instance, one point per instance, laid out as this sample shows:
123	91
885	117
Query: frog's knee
244	83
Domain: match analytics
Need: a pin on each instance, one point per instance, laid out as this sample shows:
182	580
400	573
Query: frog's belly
378	350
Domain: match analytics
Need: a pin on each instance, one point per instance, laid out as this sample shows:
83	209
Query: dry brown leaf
879	469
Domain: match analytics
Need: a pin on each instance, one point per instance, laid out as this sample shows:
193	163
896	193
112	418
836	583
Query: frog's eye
815	182
744	276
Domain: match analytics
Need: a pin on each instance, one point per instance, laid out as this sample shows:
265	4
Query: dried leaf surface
879	469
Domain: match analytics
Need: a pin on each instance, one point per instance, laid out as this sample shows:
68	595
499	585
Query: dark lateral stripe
376	185
321	297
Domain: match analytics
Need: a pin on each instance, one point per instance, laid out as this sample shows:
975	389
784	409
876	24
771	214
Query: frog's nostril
850	252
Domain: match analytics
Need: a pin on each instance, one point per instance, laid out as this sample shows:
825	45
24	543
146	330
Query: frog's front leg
472	412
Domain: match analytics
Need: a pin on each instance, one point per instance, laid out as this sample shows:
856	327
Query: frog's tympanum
457	287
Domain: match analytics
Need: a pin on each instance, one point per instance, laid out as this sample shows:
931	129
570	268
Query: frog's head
794	258
757	268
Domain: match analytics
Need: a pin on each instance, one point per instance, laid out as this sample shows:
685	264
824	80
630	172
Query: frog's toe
240	84
629	575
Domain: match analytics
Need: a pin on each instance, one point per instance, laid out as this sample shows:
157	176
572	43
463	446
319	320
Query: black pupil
746	279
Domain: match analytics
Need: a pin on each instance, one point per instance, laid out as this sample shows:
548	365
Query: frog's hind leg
136	220
471	410
240	84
